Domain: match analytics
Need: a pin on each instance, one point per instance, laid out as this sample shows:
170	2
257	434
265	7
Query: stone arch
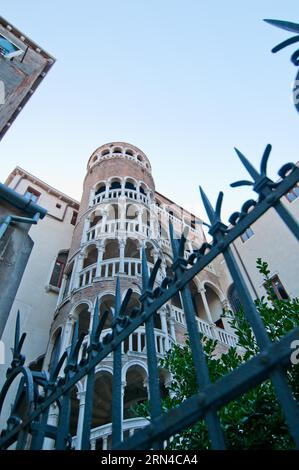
56	341
111	249
132	248
130	183
107	303
113	211
102	402
149	252
90	255
132	210
99	187
105	152
81	313
117	150
135	389
95	217
215	288
115	182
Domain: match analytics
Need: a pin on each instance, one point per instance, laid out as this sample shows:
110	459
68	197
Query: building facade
83	248
120	214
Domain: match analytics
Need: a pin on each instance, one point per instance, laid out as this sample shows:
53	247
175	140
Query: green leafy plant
254	420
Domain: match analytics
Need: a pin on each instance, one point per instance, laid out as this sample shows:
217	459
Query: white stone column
171	324
122	212
73	275
104	220
79	267
202	292
139	220
101	251
86	227
61	289
164	327
53	418
93	444
122	245
81	397
67	333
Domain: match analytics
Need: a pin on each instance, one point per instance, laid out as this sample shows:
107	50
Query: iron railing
43	389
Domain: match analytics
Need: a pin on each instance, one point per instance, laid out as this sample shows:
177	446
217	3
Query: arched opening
113	211
197	302
157	321
146	217
102	403
107	304
139	158
130	184
91	256
132	249
149	252
215	306
131	212
129	152
95	218
100	188
176	301
135	390
142	189
116	184
82	315
74	411
37	365
105	152
117	150
111	249
56	342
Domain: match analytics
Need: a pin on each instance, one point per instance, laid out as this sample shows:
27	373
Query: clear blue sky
185	81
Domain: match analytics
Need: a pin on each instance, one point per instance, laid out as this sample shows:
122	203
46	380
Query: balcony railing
136	342
209	330
87	275
113	227
101	437
111	267
117	193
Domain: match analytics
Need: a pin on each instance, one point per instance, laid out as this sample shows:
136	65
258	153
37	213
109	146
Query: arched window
91	256
111	249
115	185
100	188
132	249
105	152
56	347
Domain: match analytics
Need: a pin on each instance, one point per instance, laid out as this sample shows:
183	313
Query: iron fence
43	389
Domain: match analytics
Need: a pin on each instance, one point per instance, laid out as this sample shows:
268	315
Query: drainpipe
13	218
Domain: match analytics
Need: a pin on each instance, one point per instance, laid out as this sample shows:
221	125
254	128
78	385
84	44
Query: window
278	288
32	193
74	218
247	234
293	193
8	49
56	276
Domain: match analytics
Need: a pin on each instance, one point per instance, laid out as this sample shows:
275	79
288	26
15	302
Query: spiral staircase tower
121	214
